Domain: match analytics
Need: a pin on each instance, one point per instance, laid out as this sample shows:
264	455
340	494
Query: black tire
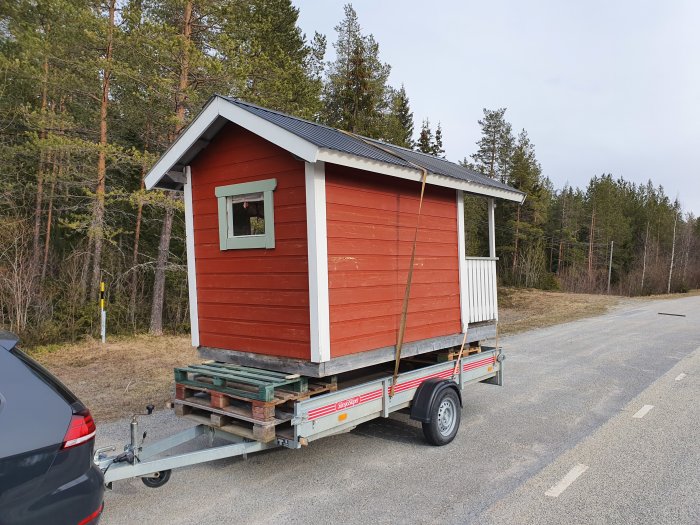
445	416
158	480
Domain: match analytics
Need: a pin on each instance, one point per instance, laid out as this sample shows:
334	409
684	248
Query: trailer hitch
131	450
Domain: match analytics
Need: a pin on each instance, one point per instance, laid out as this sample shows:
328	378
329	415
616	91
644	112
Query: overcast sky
601	87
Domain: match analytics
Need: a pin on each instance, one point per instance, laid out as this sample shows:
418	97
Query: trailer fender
426	395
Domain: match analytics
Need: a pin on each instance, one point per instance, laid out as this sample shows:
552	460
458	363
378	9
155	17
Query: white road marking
567	480
680	376
643	411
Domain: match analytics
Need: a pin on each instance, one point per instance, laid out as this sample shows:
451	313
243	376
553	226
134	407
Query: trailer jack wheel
445	416
158	479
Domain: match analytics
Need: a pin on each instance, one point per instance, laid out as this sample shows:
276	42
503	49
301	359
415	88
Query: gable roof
315	142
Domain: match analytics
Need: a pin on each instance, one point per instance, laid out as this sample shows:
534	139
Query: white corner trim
191	270
461	247
385	168
220	107
319	312
492	229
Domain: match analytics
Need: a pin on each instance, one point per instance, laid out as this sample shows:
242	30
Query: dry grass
121	377
525	309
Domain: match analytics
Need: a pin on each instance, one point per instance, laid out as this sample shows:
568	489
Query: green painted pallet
260	384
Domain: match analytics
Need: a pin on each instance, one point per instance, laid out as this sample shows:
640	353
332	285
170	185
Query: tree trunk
42	164
166	231
159	282
644	260
97	227
55	175
673	253
590	249
135	255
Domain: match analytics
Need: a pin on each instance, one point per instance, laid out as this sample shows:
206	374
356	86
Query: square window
246	215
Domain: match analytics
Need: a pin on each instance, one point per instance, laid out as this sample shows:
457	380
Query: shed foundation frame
337	365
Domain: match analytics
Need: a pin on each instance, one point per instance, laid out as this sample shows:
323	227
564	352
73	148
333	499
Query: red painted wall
251	300
371	223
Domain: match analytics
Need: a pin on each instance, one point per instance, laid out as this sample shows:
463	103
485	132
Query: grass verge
122	376
522	309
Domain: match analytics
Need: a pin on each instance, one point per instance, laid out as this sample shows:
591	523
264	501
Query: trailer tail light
92	516
81	429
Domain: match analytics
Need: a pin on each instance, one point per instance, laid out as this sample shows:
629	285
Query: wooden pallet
257	432
454	353
243	382
239	403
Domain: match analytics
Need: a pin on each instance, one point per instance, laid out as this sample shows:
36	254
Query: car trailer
432	392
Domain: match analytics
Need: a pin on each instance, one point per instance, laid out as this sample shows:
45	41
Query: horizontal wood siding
371	222
253	300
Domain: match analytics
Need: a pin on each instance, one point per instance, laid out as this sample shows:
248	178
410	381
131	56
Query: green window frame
227	241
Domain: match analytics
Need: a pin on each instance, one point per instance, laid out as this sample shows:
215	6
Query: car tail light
81	429
92	516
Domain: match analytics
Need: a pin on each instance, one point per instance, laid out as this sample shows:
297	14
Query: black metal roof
331	138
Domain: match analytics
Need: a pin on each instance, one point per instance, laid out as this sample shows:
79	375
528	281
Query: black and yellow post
103	313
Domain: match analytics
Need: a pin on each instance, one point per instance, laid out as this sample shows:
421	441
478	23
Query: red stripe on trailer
344	404
400	387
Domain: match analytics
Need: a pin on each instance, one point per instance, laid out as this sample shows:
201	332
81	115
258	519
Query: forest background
91	93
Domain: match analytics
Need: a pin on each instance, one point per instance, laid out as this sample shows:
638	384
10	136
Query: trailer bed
309	416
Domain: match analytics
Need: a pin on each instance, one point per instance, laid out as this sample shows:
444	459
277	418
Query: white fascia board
269	131
461	254
187	139
319	310
385	168
191	269
215	108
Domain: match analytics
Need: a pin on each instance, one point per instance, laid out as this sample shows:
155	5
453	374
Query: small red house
299	239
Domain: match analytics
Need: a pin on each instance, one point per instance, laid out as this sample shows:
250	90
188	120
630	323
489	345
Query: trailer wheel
445	416
158	479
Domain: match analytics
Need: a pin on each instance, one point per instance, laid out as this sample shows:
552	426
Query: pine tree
268	58
426	140
355	95
399	122
495	146
436	147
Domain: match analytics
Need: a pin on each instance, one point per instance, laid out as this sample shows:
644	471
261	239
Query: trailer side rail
341	410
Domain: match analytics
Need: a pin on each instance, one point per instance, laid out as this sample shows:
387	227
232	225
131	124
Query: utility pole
673	253
612	243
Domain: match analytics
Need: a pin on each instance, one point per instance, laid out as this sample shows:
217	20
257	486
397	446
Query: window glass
247	215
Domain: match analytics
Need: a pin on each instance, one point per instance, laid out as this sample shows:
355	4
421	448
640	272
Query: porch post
492	229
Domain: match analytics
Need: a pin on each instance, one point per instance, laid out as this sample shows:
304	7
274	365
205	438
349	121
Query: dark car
47	436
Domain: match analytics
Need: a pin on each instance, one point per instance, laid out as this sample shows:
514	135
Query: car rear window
46	377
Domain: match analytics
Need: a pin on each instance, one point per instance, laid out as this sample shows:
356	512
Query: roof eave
166	173
385	168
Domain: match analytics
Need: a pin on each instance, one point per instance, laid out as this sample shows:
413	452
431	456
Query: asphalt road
558	443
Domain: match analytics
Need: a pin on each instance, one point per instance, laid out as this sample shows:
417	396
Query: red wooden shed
299	239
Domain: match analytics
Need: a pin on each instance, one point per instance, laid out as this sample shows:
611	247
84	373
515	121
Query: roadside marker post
103	313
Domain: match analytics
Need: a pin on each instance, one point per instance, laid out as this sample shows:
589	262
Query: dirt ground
119	378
